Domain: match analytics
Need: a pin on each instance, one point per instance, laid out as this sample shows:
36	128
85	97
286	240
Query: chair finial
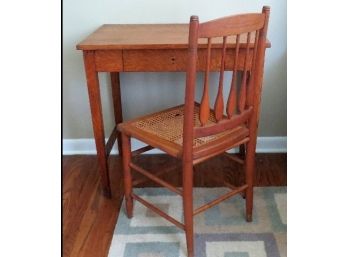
266	9
194	18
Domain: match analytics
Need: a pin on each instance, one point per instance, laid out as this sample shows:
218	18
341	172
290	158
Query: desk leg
116	98
97	119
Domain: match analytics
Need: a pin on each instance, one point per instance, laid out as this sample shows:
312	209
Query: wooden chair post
188	136
128	187
253	123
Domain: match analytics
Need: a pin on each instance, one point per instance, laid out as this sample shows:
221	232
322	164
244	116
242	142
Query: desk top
147	36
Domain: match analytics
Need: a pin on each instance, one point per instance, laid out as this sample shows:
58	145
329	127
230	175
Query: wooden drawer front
108	60
155	60
175	60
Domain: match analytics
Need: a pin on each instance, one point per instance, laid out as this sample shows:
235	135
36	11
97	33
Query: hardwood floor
89	218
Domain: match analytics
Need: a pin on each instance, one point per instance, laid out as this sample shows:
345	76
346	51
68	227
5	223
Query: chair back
242	40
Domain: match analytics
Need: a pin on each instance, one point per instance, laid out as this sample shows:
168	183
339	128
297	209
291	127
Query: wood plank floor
89	219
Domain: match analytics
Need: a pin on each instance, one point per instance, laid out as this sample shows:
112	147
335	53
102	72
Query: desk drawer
155	60
108	60
175	60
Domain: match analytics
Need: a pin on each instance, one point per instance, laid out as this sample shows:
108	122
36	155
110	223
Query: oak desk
146	47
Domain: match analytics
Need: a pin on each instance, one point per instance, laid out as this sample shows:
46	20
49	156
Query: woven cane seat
164	130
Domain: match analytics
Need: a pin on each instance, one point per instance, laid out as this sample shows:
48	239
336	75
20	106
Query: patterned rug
219	232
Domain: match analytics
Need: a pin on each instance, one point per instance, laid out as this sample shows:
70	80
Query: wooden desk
146	47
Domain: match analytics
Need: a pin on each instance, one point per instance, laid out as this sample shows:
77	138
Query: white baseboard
87	146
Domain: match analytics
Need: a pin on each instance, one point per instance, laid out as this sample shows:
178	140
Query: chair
193	132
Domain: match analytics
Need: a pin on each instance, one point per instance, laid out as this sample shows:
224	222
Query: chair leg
249	176
126	154
188	206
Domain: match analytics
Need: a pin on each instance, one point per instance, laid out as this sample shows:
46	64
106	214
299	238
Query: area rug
219	232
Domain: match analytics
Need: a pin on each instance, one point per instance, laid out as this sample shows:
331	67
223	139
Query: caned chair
193	132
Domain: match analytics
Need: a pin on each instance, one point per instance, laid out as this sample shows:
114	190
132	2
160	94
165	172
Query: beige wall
147	92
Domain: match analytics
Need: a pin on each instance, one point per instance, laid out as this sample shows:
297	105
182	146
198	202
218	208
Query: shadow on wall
273	119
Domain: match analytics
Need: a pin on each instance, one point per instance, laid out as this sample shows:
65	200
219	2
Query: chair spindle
250	91
242	93
219	102
204	111
232	98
